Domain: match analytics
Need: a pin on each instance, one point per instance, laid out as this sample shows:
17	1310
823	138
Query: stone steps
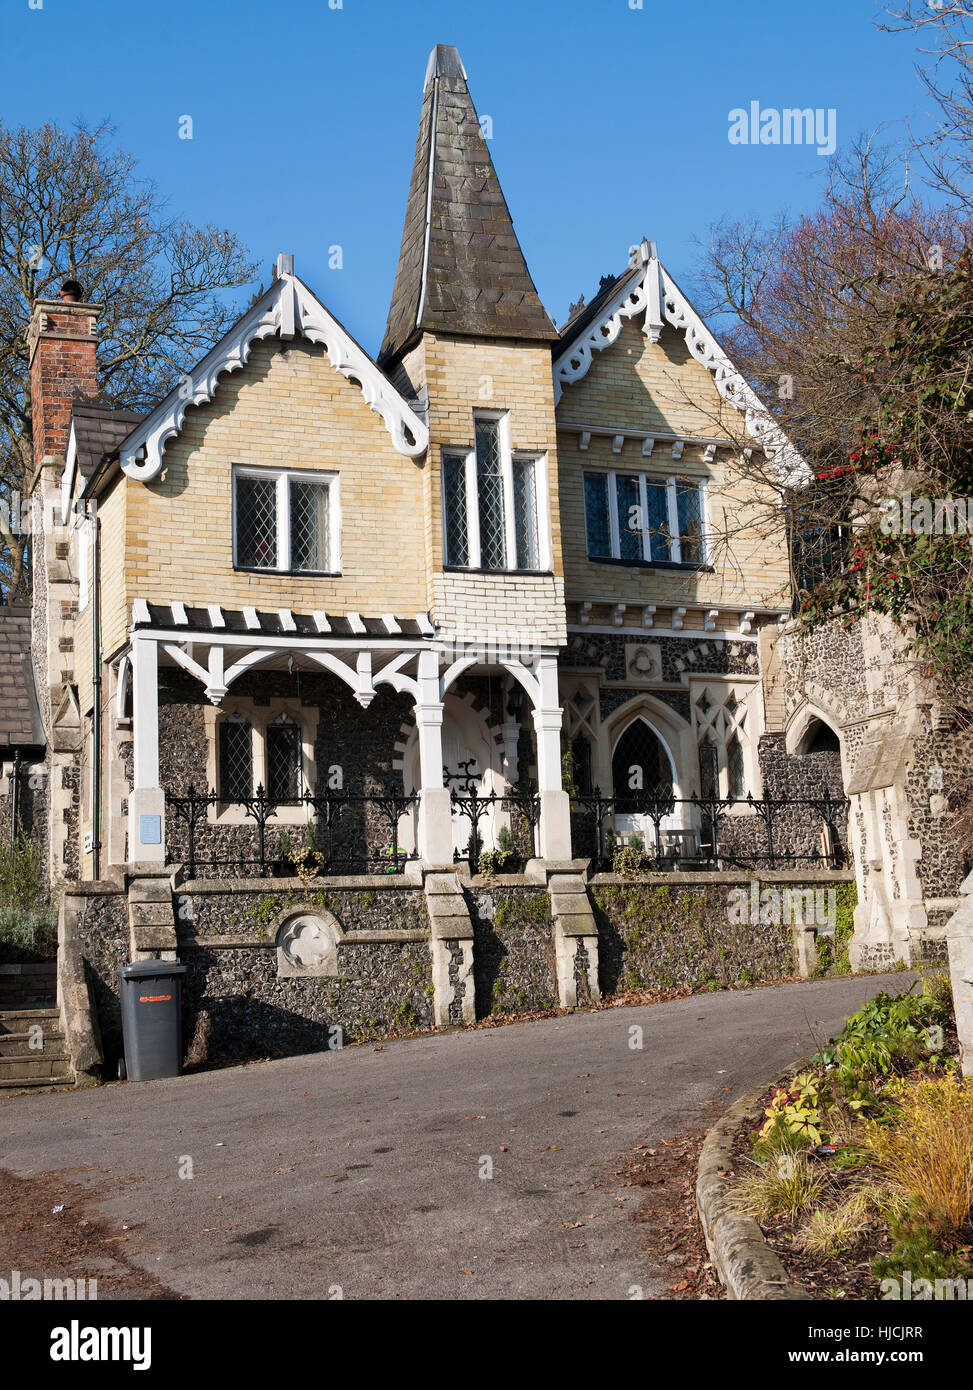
22	1065
28	986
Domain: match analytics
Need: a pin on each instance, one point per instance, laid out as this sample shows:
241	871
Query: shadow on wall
514	969
238	1028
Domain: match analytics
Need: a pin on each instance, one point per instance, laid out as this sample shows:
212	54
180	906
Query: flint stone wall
514	966
654	934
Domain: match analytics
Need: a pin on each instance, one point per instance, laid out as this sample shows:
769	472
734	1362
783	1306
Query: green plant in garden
27	919
505	842
918	1250
785	1185
796	1109
629	861
832	951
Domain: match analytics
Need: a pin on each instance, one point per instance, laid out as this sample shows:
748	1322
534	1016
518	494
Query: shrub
918	1250
795	1110
927	1150
27	920
831	1230
628	862
505	843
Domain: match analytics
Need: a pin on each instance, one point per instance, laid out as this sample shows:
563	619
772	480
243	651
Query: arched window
236	758
736	776
723	733
640	768
709	766
820	738
283	759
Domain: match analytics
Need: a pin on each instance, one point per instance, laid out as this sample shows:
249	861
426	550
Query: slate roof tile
473	246
20	725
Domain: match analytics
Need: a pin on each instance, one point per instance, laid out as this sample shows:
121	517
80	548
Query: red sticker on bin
153	998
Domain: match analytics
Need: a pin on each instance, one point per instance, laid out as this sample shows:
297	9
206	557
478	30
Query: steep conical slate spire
461	269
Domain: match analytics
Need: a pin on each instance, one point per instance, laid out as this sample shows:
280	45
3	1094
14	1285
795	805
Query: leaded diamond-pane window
489	479
256	522
236	758
690	511
596	515
629	517
283	760
284	520
492	513
640	768
658	519
525	514
709	768
736	776
310	526
456	523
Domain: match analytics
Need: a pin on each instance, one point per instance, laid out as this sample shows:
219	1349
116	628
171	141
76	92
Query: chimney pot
71	292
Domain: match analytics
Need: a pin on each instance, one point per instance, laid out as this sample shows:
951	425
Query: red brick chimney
62	344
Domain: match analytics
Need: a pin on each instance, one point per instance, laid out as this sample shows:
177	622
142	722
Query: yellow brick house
494	522
315	599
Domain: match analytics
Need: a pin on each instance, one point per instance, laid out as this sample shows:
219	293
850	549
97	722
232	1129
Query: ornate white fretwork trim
657	294
573	363
288	308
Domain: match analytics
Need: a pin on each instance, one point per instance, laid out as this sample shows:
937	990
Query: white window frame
541	501
671	481
283	477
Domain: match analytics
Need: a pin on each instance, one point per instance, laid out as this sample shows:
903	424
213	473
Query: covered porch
258	735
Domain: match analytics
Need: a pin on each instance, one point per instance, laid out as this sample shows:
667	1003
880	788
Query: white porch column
435	828
555	821
146	805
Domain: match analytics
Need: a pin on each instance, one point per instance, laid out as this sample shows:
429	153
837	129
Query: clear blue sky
609	123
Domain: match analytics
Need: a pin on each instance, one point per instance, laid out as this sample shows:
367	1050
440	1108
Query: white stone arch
620	733
676	737
466	731
672	731
800	721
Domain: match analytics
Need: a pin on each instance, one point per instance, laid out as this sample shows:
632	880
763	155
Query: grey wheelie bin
150	992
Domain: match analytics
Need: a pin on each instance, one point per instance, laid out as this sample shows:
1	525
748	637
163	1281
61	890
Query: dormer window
285	520
491	503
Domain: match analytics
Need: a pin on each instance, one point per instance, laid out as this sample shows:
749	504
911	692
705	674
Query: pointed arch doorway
642	767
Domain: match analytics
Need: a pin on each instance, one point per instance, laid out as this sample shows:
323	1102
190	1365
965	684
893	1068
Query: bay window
491	503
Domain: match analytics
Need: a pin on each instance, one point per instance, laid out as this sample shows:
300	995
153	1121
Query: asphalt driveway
366	1173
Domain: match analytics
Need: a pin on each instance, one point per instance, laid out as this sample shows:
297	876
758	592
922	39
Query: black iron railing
340	828
523	805
713	832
